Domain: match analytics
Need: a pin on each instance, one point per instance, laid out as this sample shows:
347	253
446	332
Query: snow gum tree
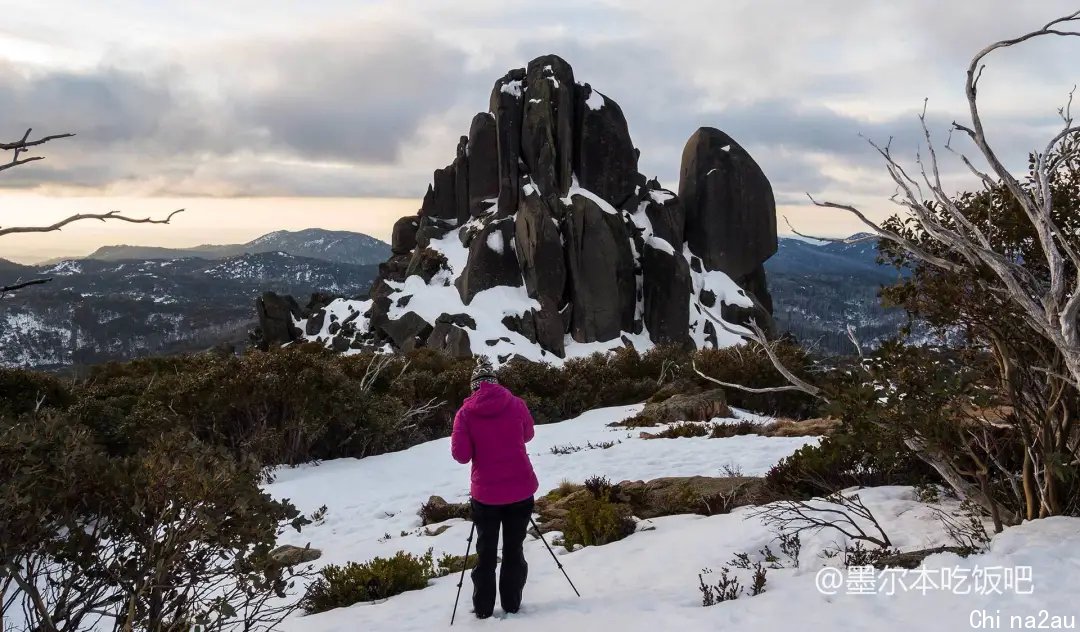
997	270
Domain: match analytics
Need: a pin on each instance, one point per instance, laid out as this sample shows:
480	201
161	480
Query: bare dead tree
1048	305
1049	309
19	148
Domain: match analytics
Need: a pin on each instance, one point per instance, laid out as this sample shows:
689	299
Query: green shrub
929	493
750	366
600	487
449	564
727	588
23	392
687	500
879	400
843	460
287	406
425	376
739	428
305	403
564	489
621	377
857	555
714	430
540	385
566	449
178	513
340	586
640	420
684	429
593	521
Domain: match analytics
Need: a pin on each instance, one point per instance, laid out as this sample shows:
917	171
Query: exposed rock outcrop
703	406
666	214
543	206
547	142
276	315
289	555
506	105
492	261
656	498
605	160
437	510
601	275
730	209
408	331
403	238
450	339
483	164
543	266
666	290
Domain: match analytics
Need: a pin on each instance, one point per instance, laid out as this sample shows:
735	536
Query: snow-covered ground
649	581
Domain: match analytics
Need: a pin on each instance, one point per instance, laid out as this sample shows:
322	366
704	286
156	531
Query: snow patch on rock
513	88
495	242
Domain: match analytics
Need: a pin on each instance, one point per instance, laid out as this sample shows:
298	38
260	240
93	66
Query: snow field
649	580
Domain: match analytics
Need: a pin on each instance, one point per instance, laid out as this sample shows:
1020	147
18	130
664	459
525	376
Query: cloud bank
340	101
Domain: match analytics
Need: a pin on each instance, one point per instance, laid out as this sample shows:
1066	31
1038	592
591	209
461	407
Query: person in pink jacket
491	430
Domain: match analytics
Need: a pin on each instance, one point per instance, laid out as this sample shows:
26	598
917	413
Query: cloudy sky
257	115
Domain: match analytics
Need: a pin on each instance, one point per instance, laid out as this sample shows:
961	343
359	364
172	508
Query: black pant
514	519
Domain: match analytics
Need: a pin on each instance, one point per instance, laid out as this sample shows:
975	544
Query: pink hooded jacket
491	430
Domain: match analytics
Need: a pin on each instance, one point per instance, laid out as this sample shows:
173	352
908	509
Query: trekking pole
464	565
553	556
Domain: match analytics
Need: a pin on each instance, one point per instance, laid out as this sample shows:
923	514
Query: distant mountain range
818	290
98	310
314	243
130	301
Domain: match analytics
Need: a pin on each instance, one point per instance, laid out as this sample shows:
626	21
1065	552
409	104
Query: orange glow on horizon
209	220
204	221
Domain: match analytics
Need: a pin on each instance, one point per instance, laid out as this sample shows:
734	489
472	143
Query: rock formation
542	239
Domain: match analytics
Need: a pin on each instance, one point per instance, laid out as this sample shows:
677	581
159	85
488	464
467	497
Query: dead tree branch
838	511
22	146
753	332
407	421
854	340
853	239
111	215
746	389
18	285
19	148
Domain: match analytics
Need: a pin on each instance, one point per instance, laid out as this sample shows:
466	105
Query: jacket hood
489	400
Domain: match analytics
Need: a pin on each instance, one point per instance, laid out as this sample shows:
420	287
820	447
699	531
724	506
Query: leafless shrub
841	512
